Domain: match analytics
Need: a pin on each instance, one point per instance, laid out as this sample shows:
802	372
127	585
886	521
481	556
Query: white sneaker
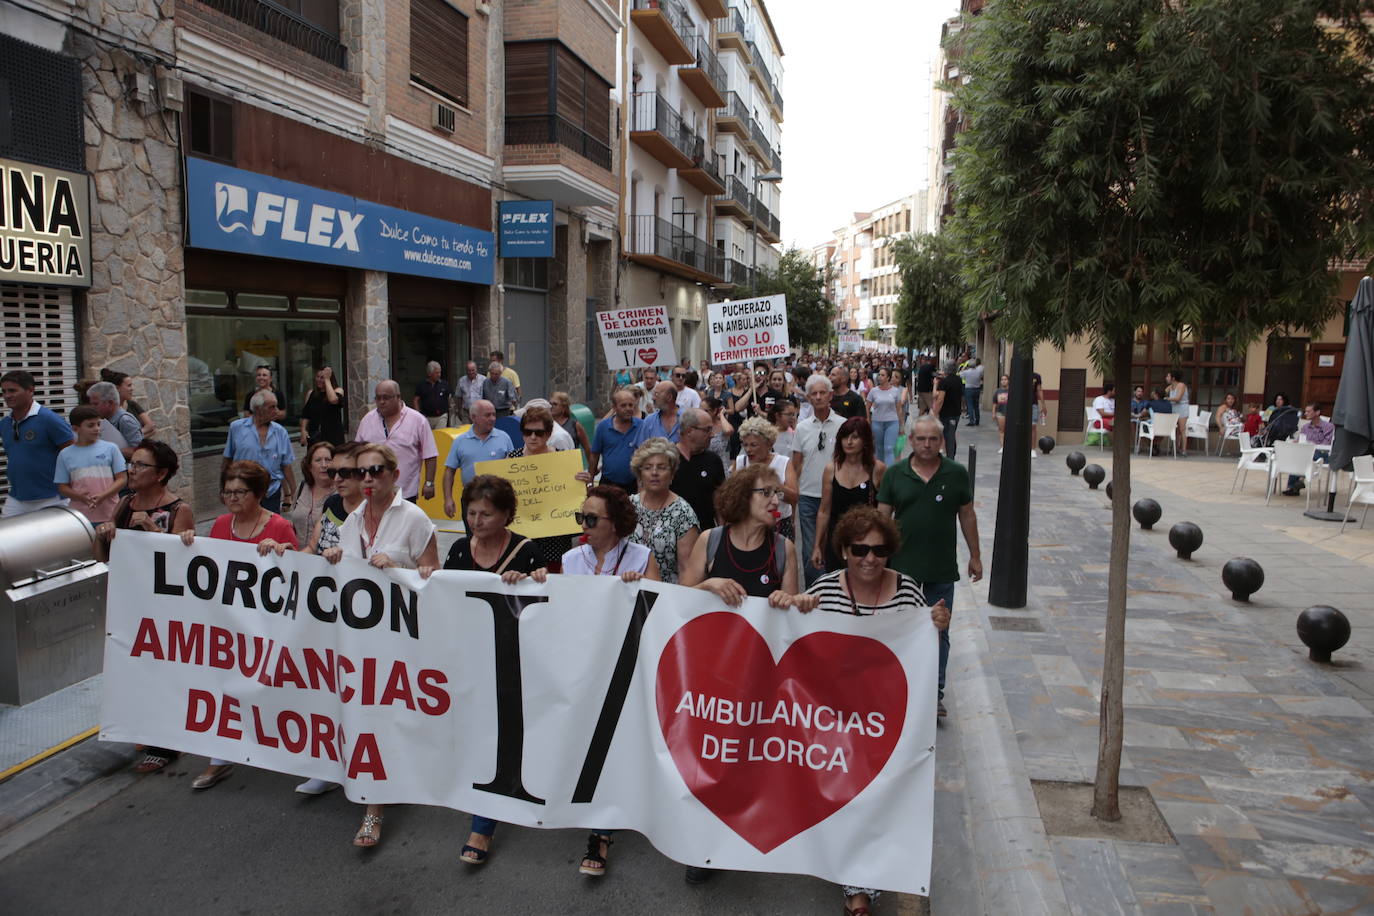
999	451
316	787
1034	453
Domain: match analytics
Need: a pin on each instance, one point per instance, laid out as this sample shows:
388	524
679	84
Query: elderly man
648	381
926	494
432	396
507	372
406	431
32	435
687	397
104	397
469	390
262	381
500	391
699	470
812	448
665	420
613	442
1317	432
480	442
260	438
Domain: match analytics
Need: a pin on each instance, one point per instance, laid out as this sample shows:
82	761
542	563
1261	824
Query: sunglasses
344	473
820	446
529	431
589	519
881	551
376	470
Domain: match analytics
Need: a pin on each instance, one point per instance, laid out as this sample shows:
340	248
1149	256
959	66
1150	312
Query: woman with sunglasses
151	507
666	523
347	496
850	479
608	521
316	487
387	531
865	538
242	487
536	431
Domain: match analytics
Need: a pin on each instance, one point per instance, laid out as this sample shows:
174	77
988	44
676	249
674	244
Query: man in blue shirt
482	442
665	421
613	443
32	435
260	438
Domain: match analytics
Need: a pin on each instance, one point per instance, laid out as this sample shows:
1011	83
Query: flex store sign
45	225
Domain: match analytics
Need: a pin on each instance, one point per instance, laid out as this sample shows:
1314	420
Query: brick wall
412	104
553	154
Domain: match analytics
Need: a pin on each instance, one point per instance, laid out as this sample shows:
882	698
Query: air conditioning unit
442	117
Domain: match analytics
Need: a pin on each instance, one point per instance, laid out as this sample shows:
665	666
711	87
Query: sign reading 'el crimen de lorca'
45	225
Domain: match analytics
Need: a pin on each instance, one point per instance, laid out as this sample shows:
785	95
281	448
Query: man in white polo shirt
811	452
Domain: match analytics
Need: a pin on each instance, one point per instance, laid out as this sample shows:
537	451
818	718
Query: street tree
874	331
1175	163
809	312
930	303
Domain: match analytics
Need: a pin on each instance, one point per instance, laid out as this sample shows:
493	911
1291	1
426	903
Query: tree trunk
1111	728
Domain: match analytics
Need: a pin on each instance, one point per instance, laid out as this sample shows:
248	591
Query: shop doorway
527	339
1284	364
415	341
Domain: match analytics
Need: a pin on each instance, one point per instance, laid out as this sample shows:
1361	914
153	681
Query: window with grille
439	49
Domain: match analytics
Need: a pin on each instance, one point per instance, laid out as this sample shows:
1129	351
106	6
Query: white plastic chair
1231	434
1193	411
1252	458
1199	427
1147	431
1095	425
1297	459
1362	493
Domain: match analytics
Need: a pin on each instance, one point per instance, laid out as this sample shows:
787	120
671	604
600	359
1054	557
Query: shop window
206	298
528	273
210	126
308	304
261	302
439	49
1209	365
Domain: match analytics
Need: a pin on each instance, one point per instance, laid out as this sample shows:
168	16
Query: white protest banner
751	739
637	337
746	329
849	342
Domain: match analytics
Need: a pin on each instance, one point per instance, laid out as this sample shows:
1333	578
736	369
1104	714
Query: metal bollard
972	468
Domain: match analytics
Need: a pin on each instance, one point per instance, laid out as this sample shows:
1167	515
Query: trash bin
52	604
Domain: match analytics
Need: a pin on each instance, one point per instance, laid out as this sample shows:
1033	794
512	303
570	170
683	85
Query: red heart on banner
774	748
647	355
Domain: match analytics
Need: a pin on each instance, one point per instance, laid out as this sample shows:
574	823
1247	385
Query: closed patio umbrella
1353	413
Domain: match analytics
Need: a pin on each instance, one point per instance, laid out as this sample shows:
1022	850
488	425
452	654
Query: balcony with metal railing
666	24
736	201
705	172
714	9
730	33
659	129
525	130
285	26
776	103
673	248
760	141
733	116
737	273
705	76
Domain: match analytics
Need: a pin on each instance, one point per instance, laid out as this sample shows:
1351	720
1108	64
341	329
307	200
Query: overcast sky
856	83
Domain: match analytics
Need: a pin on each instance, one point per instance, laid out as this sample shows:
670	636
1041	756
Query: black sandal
597	868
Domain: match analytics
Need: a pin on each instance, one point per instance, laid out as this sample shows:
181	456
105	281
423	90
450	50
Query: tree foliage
930	305
809	312
1133	162
874	331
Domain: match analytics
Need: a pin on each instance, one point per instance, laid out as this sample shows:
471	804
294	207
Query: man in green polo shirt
926	494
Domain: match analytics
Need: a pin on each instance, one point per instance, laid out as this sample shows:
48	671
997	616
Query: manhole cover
1020	624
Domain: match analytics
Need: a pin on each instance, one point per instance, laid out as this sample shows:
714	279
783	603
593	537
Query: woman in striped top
865	538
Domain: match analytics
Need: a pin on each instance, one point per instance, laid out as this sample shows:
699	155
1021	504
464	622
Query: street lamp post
770	178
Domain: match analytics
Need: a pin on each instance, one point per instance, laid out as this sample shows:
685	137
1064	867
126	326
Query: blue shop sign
526	228
234	210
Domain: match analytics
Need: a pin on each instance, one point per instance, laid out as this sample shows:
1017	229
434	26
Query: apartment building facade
865	282
701	152
318	183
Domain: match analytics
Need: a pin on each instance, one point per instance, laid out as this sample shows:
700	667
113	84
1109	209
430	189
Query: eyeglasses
376	470
529	431
387	397
820	446
140	466
881	551
588	519
768	492
344	473
234	494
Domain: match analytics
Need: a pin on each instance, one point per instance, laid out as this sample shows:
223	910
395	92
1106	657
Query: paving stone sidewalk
1261	761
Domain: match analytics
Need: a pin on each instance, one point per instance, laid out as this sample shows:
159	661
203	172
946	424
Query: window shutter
38	335
1073	394
527	78
439	48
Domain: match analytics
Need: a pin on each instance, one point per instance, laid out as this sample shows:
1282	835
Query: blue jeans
272	502
950	424
971	398
884	439
934	591
485	826
808	509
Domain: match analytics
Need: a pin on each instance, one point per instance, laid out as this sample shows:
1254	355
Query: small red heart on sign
647	355
774	748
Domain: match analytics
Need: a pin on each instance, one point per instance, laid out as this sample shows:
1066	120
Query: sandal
475	855
368	834
212	776
595	856
153	762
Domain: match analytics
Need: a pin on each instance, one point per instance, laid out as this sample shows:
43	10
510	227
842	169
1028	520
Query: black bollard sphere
1147	512
1323	630
1243	576
1046	444
1094	475
1075	461
1109	490
1185	537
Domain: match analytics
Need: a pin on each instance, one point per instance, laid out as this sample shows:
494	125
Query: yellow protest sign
547	490
434	506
